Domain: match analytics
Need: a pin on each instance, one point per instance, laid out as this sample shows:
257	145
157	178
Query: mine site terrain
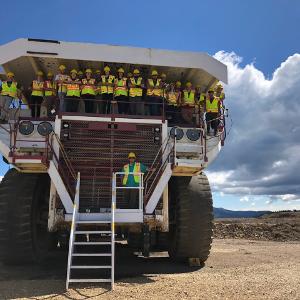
257	258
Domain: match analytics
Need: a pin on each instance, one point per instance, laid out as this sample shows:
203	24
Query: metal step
92	232
91	254
89	280
93	222
92	243
91	267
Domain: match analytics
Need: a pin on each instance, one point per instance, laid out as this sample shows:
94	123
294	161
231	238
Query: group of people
105	93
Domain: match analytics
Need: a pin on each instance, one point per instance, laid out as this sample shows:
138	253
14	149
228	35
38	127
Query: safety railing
139	187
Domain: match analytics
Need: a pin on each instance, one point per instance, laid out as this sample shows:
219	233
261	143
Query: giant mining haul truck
64	183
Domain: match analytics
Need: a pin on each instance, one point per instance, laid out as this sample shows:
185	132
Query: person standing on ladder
130	180
37	94
9	90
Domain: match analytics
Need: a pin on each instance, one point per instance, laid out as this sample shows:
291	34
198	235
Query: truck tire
23	217
191	218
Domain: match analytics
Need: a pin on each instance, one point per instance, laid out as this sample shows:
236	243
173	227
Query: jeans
5	102
61	97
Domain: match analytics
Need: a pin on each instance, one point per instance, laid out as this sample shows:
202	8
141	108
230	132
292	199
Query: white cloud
261	154
245	199
1	177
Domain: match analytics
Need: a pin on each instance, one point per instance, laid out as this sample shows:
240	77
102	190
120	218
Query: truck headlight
26	127
44	128
193	134
178	131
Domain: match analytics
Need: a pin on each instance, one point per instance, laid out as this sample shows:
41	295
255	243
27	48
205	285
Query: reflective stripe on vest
121	88
212	106
73	89
172	98
136	91
189	97
37	88
49	85
9	90
154	90
88	86
104	88
136	169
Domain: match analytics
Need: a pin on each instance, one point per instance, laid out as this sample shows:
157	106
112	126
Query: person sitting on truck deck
121	92
131	180
107	89
9	90
48	106
173	96
98	106
73	92
37	94
154	94
136	85
88	91
60	80
212	108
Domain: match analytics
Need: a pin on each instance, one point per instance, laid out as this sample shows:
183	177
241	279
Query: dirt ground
236	269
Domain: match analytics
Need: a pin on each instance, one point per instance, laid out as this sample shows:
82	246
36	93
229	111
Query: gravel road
236	269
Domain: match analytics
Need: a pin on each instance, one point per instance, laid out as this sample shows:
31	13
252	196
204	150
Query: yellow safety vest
50	85
37	88
121	88
73	89
104	88
88	86
136	91
189	97
172	98
62	87
154	90
9	90
212	106
136	169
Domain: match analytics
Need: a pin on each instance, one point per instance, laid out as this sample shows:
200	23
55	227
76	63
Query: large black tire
191	218
23	217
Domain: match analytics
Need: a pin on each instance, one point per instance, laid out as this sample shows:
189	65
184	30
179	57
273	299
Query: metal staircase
91	240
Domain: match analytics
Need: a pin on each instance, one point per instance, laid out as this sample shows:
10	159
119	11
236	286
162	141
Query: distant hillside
225	213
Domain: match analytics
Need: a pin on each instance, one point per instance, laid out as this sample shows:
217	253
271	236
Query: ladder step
92	243
91	267
89	280
91	254
93	222
91	232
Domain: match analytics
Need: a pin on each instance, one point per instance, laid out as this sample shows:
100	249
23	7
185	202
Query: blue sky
265	33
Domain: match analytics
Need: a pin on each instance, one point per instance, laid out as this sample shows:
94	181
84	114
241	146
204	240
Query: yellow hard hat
120	70
88	71
131	155
219	85
74	71
154	72
62	67
106	68
211	90
198	86
10	74
188	84
80	73
163	75
136	71
97	71
39	73
50	74
178	83
129	74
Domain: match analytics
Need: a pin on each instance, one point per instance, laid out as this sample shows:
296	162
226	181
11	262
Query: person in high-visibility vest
154	94
107	89
212	109
73	92
173	96
132	180
88	91
37	94
188	103
9	90
121	92
136	86
61	79
220	93
48	106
